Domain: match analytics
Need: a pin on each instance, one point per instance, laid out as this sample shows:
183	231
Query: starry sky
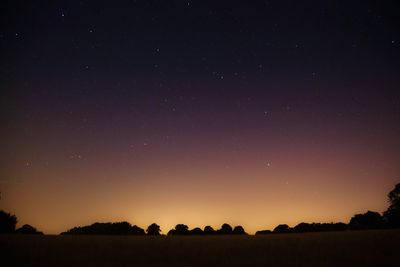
198	112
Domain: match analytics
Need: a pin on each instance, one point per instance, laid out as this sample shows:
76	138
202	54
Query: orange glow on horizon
249	192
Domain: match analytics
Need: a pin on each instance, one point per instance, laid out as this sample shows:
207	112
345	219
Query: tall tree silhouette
153	229
392	214
7	222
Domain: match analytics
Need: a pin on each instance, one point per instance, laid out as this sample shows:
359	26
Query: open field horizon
348	248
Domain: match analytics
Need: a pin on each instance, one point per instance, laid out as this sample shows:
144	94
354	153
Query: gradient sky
247	112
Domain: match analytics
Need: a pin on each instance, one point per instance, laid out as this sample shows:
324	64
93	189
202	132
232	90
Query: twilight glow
126	113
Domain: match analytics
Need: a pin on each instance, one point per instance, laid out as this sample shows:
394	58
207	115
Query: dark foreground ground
361	248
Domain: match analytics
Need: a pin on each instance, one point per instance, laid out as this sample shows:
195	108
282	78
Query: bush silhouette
28	229
392	214
7	222
180	229
303	227
226	229
239	230
282	228
264	232
208	230
319	227
153	229
368	220
196	231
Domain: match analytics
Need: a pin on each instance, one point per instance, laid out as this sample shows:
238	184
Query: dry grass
363	248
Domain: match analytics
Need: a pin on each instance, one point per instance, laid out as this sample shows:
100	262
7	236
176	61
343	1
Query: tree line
125	228
369	220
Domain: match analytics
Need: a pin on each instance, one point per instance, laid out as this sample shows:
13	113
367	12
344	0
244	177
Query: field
359	248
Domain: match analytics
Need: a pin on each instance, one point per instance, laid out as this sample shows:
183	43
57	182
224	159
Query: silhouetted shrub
264	232
282	228
28	229
318	227
136	230
7	222
303	227
153	229
119	228
208	230
171	232
368	220
392	214
226	229
196	231
180	229
239	230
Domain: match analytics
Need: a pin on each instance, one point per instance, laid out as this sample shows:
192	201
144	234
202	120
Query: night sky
198	112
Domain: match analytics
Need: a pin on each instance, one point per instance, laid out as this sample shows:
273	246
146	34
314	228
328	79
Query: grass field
359	248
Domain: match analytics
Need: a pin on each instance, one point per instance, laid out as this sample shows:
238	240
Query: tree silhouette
226	229
153	229
368	220
304	227
180	229
196	231
136	230
282	228
392	214
118	228
28	229
7	222
239	230
171	232
264	232
208	230
318	227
